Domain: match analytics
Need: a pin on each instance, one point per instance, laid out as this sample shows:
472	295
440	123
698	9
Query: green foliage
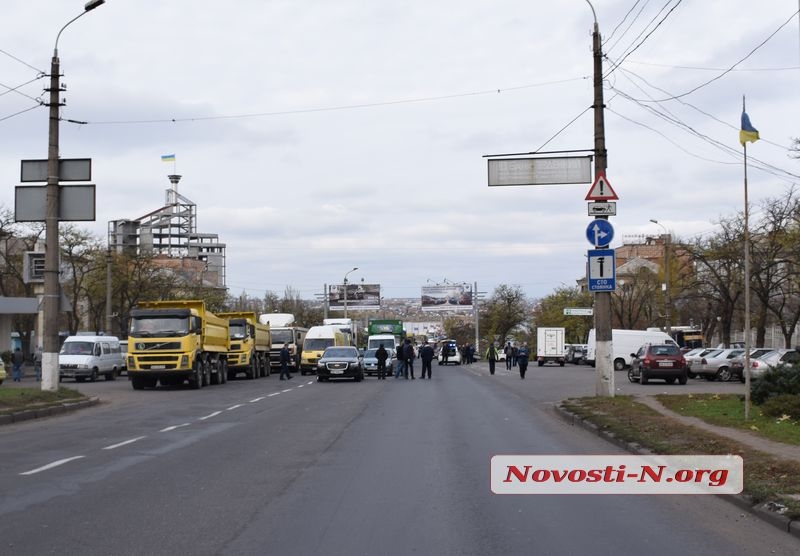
784	379
550	312
781	405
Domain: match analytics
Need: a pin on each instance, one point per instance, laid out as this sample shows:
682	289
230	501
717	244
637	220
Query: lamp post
345	289
667	299
52	294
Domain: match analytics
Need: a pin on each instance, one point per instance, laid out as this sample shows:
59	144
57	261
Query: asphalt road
299	467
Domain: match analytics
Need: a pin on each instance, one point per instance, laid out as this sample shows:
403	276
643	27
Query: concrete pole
604	366
109	259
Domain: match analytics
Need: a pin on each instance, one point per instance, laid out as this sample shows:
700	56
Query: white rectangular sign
603	209
540	171
579	311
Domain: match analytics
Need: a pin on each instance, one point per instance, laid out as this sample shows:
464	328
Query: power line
21	61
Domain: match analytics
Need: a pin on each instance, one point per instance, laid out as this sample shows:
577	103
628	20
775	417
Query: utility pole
604	384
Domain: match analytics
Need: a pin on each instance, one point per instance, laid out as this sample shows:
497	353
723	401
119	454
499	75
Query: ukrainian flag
748	132
167	158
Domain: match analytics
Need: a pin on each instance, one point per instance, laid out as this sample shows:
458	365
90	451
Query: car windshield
666	349
370	353
77	348
340	352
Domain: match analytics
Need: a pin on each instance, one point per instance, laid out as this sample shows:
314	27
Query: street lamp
667	300
345	289
52	295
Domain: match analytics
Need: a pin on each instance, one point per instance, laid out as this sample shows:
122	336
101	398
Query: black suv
663	361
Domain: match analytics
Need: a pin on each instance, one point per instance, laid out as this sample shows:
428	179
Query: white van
83	357
625	342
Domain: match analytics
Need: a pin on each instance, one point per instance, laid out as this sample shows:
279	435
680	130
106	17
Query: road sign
601	190
599	232
602	270
602	209
69	169
579	311
540	171
76	203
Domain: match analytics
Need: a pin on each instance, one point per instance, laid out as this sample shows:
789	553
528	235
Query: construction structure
170	234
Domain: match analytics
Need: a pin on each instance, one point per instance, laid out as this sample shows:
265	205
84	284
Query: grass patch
17	399
766	478
727	410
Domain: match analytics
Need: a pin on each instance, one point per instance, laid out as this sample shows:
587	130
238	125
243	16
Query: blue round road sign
599	232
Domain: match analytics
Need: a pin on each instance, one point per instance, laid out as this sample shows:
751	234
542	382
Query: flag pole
747	377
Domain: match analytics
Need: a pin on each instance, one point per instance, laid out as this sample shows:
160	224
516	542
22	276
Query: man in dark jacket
408	355
426	356
285	358
381	355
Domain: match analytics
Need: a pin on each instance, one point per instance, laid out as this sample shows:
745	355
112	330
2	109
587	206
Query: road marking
51	465
125	443
287	390
210	415
273	394
231	408
257	399
173	427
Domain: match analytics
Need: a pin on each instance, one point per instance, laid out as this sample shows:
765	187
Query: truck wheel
216	375
196	382
223	371
268	367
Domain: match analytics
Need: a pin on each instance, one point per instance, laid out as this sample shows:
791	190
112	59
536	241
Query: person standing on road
522	359
445	352
426	356
381	355
37	363
400	362
408	355
491	357
285	357
509	351
16	361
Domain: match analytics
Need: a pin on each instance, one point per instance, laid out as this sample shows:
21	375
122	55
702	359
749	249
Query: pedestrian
381	355
470	354
408	356
491	357
285	358
37	363
444	352
426	356
401	363
523	354
514	352
17	360
509	351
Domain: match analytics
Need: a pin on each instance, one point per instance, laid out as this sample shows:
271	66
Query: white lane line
51	465
287	390
231	408
257	399
210	415
125	443
173	427
273	394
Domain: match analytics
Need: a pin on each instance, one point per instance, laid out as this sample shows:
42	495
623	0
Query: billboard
447	297
360	297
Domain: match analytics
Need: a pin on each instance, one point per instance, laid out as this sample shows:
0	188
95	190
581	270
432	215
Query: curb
761	511
49	411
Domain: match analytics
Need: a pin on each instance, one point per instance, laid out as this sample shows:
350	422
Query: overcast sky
319	136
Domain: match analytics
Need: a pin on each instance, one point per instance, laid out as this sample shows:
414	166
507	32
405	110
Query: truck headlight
184	361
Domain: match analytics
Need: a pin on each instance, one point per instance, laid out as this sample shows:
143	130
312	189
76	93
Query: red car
662	361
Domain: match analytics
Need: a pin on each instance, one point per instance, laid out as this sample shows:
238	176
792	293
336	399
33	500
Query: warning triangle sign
601	190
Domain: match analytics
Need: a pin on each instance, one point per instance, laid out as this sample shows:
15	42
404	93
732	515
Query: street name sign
579	311
69	169
540	171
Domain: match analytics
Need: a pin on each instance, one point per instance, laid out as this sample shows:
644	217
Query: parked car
737	364
340	362
694	356
719	365
3	374
371	362
662	361
773	359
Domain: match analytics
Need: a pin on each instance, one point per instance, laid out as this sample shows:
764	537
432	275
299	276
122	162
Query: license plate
337	372
665	363
158	366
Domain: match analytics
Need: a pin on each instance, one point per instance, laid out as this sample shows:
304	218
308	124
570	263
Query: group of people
515	356
405	356
18	360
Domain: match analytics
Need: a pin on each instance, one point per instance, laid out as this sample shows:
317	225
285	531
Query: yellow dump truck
250	345
175	341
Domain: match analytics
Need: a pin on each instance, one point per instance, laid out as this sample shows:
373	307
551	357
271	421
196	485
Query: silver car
371	362
773	359
719	365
